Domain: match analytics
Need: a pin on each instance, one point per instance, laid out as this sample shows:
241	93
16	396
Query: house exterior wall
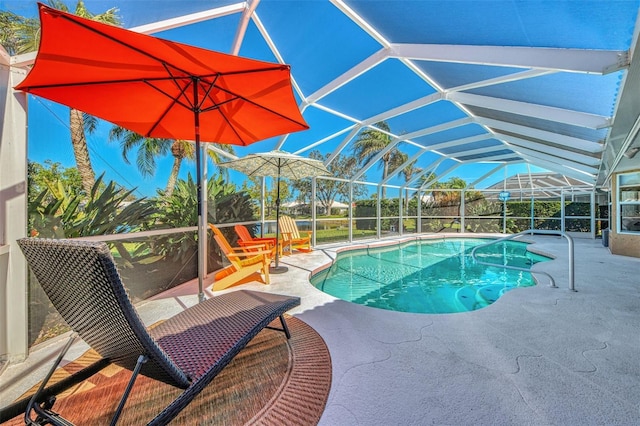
13	214
626	244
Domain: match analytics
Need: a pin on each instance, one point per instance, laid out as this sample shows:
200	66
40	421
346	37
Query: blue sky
312	67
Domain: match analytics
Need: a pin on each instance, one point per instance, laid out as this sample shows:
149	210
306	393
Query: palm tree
24	36
409	172
370	142
18	34
148	149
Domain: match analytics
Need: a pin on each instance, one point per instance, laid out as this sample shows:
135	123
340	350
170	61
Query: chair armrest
249	254
255	244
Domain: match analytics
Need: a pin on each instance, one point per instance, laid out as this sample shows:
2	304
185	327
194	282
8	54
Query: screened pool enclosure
433	117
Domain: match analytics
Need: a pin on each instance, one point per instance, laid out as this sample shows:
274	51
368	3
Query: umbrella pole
277	269
201	220
201	228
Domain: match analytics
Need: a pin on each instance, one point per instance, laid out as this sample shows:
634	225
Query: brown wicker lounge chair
187	350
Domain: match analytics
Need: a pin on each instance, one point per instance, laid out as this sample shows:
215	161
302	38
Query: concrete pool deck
537	356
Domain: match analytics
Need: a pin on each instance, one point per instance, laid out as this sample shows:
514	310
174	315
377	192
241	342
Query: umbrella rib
262	166
188	104
218	105
173	99
261	106
92	83
208	92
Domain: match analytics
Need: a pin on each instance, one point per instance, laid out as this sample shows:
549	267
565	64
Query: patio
536	356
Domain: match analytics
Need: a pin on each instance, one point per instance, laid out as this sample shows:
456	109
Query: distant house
297	208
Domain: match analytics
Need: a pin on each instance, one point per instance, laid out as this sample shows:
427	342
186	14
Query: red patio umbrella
159	88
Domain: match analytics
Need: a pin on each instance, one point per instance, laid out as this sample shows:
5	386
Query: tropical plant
149	149
52	175
225	205
23	36
370	142
56	213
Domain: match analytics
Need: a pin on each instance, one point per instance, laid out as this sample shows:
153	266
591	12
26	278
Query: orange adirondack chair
246	240
292	236
246	263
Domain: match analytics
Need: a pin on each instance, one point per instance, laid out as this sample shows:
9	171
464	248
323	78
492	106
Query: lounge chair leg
44	413
141	360
284	328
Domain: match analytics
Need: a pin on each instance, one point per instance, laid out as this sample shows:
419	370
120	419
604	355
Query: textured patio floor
538	356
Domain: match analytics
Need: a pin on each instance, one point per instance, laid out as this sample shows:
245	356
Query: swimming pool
428	276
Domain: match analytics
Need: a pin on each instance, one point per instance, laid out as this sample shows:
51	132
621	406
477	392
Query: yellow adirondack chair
292	236
246	263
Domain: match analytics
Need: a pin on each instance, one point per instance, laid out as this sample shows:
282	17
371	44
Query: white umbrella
279	164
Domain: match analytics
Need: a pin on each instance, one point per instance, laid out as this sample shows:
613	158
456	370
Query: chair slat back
243	233
82	282
226	249
288	225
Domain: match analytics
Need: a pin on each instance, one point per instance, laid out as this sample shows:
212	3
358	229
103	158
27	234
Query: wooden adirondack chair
245	261
292	236
246	240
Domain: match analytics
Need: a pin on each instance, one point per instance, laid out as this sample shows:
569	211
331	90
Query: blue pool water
428	276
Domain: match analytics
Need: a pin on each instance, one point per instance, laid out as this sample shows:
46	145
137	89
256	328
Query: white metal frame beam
565	170
457	142
522	75
192	18
500	157
568	60
518	143
533	156
543	135
439	128
348	76
559	115
469	152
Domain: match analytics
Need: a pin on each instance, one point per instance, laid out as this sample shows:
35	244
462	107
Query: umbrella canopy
279	164
155	87
163	89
